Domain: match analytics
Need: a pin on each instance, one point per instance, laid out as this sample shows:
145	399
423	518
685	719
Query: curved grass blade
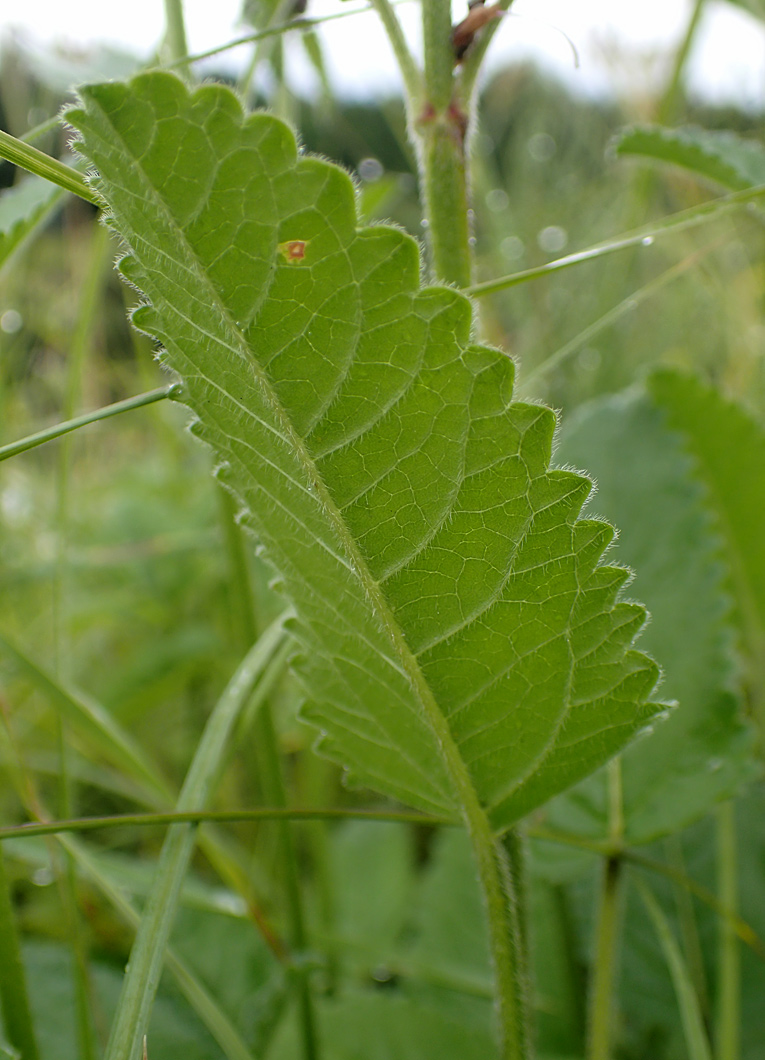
696	1039
146	958
89	718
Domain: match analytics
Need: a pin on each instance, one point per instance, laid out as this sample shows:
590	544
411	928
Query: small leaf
23	209
723	157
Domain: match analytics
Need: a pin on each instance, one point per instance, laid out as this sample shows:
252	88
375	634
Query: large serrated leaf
703	752
720	156
461	638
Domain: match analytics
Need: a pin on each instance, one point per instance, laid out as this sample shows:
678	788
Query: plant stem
676	222
669	104
14	1001
728	1021
607	931
696	1041
262	813
471	64
440	129
599	1044
409	71
175	33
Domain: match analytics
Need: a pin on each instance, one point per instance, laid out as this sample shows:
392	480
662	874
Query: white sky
623	44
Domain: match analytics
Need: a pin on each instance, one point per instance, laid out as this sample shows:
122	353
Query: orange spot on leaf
293	250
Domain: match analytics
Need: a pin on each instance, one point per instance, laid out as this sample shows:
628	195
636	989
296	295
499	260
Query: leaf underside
446	592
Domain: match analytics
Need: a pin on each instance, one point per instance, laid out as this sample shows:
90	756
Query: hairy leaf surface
460	637
721	156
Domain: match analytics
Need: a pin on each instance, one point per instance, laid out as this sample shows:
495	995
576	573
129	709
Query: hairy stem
440	129
408	67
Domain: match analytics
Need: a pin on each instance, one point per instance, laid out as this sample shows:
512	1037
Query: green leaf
372	870
462	643
23	208
728	450
389	1026
449	915
720	156
175	1030
703	751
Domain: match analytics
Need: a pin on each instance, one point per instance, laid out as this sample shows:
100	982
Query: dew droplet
647	241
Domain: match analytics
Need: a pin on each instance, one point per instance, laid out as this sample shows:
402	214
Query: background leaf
720	156
728	450
703	751
23	208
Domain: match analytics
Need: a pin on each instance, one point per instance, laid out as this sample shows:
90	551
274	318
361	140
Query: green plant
462	647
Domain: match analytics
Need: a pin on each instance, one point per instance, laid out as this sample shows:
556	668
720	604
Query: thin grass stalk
145	965
607	931
670	104
14	999
728	1015
689	932
58	430
696	1040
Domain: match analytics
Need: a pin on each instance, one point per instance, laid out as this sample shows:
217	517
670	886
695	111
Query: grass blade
27	157
93	722
678	222
205	1006
693	1026
14	1002
146	958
